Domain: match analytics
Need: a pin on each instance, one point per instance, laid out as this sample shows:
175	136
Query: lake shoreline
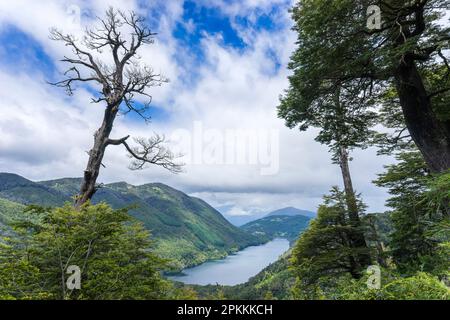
229	253
236	268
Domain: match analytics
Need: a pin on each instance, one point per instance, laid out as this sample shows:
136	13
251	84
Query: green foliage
335	49
419	287
419	202
8	212
114	254
183	293
18	278
324	249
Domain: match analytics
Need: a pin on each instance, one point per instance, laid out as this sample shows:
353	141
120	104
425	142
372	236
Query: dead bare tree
121	35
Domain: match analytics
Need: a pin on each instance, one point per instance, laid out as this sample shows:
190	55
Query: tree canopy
336	51
113	253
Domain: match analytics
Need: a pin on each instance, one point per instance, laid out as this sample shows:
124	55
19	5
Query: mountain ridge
291	211
278	226
241	220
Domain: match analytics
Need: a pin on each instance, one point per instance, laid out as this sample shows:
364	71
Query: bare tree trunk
357	238
431	135
101	138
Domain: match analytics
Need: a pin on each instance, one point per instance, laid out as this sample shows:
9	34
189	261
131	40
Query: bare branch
150	151
67	83
126	78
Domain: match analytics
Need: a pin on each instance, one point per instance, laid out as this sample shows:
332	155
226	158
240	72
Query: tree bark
357	239
101	137
431	135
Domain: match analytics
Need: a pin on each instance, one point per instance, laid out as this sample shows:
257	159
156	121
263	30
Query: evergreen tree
414	210
341	130
325	251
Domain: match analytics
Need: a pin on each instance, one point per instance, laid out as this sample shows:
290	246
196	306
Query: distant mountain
291	211
187	229
278	226
241	220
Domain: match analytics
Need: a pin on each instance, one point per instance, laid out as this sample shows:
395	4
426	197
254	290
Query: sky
227	65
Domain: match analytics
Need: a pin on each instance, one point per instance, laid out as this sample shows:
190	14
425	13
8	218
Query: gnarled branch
150	151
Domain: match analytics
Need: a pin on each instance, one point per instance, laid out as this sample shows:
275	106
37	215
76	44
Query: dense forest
359	85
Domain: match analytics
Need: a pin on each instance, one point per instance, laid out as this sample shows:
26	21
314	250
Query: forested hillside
278	226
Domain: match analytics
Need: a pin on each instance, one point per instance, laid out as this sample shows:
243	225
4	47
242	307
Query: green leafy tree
113	254
408	53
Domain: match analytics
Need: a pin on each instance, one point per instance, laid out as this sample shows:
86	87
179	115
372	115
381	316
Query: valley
186	230
194	236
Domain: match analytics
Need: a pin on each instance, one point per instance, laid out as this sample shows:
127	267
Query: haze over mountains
240	220
291	211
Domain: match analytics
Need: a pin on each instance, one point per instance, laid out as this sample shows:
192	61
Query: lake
236	268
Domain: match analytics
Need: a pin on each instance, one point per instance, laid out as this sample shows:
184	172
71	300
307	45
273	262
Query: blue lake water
236	268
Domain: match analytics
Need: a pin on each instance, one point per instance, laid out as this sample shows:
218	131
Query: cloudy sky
226	61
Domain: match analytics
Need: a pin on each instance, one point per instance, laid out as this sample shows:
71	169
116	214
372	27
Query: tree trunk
431	135
348	185
353	263
357	238
374	236
101	136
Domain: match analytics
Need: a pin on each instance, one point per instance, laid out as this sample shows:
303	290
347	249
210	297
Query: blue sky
226	61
